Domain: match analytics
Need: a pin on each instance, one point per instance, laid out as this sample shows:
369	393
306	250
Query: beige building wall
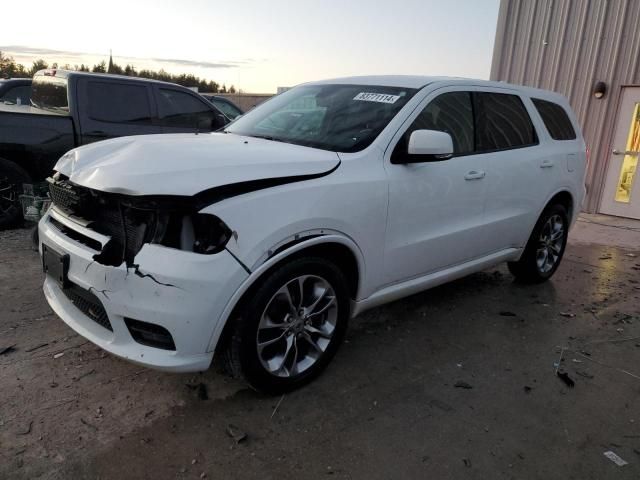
567	46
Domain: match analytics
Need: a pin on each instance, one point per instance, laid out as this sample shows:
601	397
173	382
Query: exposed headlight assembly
210	234
199	232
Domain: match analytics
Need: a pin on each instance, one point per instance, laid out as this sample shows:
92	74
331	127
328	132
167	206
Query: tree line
9	68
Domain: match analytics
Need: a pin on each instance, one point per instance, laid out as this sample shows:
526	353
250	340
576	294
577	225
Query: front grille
68	197
88	304
107	214
77	236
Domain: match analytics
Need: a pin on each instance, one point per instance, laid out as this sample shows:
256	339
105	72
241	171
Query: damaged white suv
260	242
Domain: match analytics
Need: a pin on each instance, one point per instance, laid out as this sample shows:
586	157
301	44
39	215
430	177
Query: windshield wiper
269	137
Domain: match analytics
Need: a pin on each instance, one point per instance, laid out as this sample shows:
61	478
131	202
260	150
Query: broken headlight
210	234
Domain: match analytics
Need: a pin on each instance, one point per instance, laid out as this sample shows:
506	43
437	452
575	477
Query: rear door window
502	122
118	103
556	120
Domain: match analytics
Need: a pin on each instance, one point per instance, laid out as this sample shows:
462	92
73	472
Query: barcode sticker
376	97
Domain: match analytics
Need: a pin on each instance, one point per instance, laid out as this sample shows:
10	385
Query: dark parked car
226	106
15	91
69	109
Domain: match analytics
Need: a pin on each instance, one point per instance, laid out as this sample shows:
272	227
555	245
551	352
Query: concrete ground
456	382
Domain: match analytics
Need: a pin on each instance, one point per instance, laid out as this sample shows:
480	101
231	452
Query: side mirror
427	146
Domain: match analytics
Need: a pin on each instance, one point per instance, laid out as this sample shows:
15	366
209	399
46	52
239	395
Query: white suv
260	242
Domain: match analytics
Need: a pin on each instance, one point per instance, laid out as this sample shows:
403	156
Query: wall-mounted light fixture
600	90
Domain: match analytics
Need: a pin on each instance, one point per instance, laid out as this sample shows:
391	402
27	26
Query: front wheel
291	327
545	247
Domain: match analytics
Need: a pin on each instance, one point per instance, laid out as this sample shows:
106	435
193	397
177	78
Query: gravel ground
456	382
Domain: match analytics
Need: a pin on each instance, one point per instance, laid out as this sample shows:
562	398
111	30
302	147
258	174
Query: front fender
257	273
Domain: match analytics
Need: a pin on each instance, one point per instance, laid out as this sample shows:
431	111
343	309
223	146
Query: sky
259	45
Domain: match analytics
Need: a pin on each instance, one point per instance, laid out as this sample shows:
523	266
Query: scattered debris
200	388
148	414
507	314
86	374
464	385
584	374
194	461
567	314
467	462
557	364
37	347
575	360
564	376
88	424
28	430
58	355
235	433
276	409
527	389
615	458
606	256
632	255
203	475
5	350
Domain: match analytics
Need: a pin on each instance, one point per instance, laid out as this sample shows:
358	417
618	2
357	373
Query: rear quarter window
118	103
556	120
50	93
502	122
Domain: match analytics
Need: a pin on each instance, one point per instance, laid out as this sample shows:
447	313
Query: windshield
50	93
340	118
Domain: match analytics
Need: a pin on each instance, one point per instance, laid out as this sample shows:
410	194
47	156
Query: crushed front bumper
182	292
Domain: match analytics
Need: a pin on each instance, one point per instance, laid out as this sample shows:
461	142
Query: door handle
628	152
97	133
546	164
474	175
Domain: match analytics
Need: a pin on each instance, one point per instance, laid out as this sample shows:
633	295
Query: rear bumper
183	292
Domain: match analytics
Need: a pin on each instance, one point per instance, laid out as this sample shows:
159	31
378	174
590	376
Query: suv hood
187	164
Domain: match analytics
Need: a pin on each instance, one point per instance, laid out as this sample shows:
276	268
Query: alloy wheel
297	326
550	243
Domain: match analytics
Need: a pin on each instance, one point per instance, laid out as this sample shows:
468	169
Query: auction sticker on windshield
376	97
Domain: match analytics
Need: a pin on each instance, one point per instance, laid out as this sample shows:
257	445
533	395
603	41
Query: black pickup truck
69	109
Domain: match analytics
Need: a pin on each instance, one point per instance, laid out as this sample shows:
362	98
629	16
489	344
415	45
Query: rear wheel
545	247
291	327
11	179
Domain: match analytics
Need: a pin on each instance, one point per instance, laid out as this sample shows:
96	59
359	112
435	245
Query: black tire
12	177
240	355
529	269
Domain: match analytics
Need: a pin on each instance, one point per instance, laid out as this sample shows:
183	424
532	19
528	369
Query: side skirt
415	285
